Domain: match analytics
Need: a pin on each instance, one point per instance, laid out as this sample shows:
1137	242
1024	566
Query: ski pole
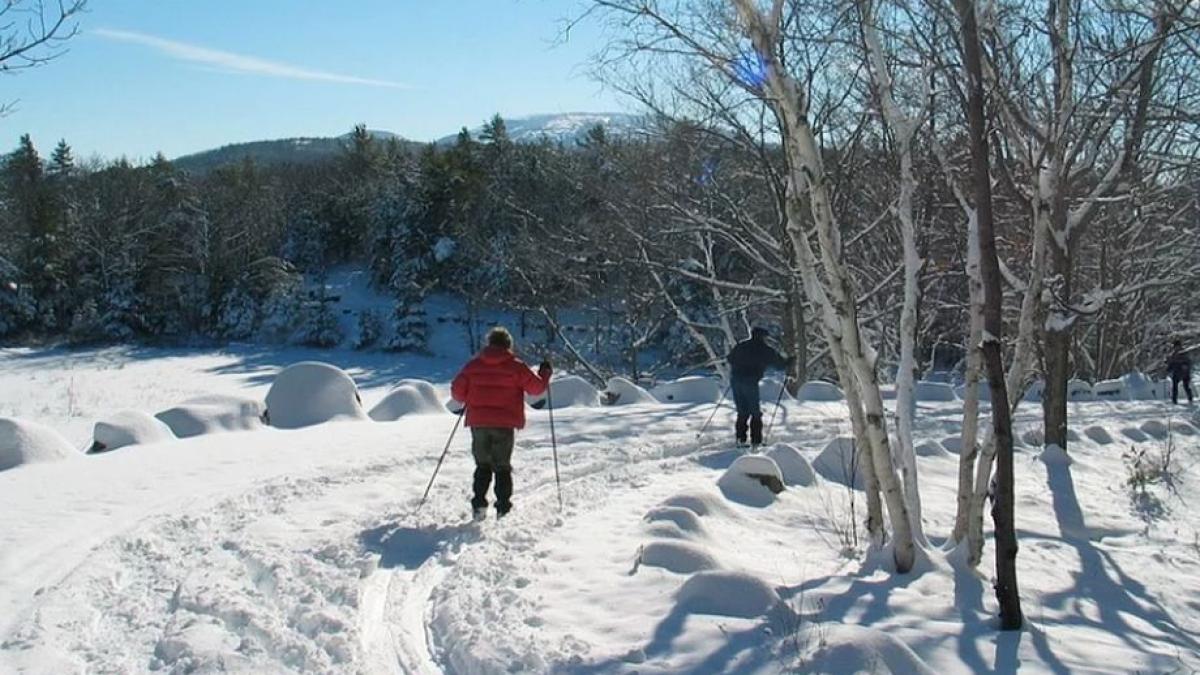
778	405
554	444
715	408
461	415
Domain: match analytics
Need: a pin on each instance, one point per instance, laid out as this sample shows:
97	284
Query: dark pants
492	448
745	397
1176	380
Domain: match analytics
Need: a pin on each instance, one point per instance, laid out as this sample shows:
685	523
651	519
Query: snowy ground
302	551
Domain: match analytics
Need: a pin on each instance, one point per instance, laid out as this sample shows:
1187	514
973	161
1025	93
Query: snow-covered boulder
686	520
953	444
753	480
311	392
1034	393
129	427
25	442
1079	390
568	391
213	414
727	594
1098	435
410	397
933	391
848	648
795	468
839	462
620	391
817	390
772	389
693	389
931	449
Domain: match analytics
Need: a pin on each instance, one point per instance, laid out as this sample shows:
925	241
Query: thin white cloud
236	63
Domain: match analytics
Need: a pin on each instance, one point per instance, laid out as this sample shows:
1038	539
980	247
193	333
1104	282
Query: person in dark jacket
492	387
748	361
1179	366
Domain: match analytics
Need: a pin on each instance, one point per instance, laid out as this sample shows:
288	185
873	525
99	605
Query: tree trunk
795	335
970	424
1007	592
1056	349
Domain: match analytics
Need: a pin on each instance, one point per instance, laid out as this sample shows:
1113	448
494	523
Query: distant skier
748	361
1179	366
492	386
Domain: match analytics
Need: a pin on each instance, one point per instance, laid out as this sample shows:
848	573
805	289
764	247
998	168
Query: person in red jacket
492	387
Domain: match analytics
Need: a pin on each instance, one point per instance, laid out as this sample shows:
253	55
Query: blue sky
179	76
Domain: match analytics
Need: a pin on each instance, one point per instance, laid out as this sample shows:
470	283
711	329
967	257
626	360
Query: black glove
545	370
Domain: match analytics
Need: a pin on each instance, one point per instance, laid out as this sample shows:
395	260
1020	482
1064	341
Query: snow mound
817	390
700	503
1140	387
838	462
621	391
930	449
771	389
1078	390
1034	393
1110	390
571	391
848	648
694	389
1155	429
311	392
1185	429
213	414
953	444
678	556
795	468
727	594
25	442
1098	435
925	390
129	427
1052	454
1033	438
983	390
1134	434
410	397
753	480
685	519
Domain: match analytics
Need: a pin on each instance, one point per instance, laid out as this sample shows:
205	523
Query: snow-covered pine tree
370	329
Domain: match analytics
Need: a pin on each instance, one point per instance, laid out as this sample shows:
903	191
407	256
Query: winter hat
500	337
759	331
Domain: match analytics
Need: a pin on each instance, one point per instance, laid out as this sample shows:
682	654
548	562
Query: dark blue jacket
749	359
1179	365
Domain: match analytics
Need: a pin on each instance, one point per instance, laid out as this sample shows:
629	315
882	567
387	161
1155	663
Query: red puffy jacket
493	387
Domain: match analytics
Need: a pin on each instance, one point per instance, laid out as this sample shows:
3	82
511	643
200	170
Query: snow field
302	550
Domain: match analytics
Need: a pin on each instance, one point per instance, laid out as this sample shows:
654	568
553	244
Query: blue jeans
749	412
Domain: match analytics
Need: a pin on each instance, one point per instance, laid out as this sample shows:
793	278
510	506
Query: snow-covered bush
311	392
933	391
213	414
129	427
25	442
319	324
568	391
839	462
796	470
409	326
817	390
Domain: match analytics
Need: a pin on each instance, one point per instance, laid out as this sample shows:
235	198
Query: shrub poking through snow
753	480
213	414
129	427
25	442
311	392
1148	467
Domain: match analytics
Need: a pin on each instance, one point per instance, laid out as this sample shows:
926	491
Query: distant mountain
563	127
280	151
